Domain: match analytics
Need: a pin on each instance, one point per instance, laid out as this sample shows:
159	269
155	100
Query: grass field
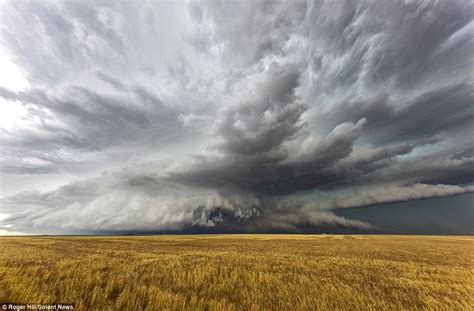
240	272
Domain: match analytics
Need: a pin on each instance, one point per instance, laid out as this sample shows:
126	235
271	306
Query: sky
236	116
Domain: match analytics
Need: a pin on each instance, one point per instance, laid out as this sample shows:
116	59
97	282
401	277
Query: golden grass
240	272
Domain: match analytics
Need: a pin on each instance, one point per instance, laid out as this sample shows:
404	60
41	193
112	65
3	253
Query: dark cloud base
452	215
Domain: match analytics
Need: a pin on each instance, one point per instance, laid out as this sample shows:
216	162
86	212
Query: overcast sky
238	115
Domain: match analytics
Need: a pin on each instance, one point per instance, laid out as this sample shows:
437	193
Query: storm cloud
242	116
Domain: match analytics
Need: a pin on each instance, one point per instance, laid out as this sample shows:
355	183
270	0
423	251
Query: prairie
240	272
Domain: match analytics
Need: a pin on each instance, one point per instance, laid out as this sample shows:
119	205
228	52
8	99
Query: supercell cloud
240	116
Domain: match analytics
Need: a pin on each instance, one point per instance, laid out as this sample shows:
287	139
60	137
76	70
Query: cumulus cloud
242	116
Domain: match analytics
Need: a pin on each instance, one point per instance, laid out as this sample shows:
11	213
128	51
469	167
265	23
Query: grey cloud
395	44
116	83
416	119
78	119
305	164
294	219
373	194
265	120
62	39
256	142
433	168
262	27
117	202
370	102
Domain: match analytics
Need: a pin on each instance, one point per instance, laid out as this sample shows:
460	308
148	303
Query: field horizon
240	271
236	235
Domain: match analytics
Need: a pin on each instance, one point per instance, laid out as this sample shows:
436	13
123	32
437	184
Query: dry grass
240	272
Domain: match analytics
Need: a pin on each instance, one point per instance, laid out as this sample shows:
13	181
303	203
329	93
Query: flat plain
240	272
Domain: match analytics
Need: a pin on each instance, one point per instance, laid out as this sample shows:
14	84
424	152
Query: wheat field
240	272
